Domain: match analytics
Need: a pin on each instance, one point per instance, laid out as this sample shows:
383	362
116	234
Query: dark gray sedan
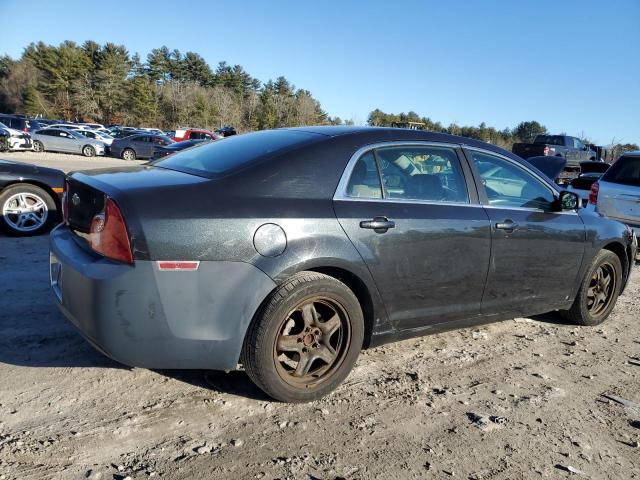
139	145
291	250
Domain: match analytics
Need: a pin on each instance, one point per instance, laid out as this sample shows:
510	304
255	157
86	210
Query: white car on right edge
617	193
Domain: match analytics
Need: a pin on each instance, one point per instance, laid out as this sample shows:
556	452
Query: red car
194	134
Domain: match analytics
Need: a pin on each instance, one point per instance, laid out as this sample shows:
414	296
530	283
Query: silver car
617	193
62	140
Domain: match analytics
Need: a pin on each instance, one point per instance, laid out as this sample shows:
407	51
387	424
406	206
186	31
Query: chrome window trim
341	191
544	181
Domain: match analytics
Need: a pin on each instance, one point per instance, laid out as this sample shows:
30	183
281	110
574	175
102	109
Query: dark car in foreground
161	151
138	145
290	250
30	197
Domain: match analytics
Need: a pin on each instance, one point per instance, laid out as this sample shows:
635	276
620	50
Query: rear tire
38	146
305	339
16	215
598	291
128	154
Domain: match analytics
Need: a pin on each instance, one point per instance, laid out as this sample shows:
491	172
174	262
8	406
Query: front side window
422	173
365	181
508	185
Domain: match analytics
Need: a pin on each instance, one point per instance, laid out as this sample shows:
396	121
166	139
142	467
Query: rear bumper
143	317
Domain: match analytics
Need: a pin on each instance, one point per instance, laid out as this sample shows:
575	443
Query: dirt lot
519	399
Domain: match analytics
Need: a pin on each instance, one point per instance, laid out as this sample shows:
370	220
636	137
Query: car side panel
141	316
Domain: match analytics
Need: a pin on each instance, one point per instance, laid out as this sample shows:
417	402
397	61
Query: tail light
108	234
546	151
593	194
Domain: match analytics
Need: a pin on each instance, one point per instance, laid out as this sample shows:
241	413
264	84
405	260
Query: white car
617	193
18	140
97	135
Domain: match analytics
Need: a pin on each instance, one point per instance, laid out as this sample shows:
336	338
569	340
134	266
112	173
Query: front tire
128	154
598	291
26	210
88	151
38	146
305	339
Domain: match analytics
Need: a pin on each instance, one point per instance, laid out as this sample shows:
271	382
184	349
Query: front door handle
379	224
507	225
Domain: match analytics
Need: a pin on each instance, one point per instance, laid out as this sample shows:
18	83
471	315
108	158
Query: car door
536	250
51	139
413	216
67	142
619	190
141	145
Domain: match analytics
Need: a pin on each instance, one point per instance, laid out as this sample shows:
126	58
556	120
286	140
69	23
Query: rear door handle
507	225
378	223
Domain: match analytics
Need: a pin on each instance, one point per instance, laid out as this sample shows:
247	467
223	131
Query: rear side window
426	173
235	152
365	181
626	171
550	139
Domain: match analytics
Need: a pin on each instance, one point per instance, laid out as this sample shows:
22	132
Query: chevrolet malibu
288	251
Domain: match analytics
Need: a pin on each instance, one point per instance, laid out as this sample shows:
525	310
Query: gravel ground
519	399
66	162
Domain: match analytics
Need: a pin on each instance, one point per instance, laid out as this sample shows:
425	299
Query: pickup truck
564	146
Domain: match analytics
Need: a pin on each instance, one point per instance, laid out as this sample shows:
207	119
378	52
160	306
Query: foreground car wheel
128	154
26	210
306	338
88	151
598	292
38	146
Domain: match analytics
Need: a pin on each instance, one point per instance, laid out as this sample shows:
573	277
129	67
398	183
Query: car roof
631	153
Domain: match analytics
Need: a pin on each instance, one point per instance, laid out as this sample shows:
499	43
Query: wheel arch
621	252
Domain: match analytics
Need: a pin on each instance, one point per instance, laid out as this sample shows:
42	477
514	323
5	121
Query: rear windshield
550	139
626	170
234	152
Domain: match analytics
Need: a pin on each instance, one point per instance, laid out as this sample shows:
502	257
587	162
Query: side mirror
568	200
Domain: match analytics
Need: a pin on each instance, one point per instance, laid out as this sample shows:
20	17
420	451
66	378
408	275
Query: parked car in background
182	134
17	139
4	139
63	140
93	126
590	172
139	145
227	131
571	149
565	146
290	250
69	126
154	131
97	135
161	151
30	198
16	122
617	193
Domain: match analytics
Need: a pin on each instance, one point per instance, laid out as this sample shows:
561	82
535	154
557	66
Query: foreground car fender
182	319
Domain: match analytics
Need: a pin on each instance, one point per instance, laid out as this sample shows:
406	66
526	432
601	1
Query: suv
617	193
16	122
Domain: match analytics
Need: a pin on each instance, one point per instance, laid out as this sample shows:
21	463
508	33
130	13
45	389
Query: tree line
105	83
168	89
524	132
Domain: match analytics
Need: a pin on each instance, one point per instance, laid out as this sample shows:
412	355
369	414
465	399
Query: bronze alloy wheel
600	289
312	342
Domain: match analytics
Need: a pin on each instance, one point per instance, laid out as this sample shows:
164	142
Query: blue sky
572	65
